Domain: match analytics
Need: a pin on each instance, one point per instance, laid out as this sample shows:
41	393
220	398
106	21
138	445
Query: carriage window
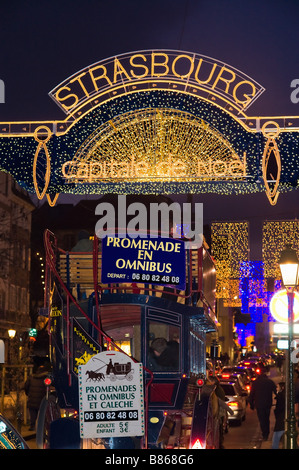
163	348
128	339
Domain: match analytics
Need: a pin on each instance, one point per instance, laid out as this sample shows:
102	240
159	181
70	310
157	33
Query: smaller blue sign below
145	260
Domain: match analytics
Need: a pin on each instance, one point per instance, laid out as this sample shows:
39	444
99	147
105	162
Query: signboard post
111	396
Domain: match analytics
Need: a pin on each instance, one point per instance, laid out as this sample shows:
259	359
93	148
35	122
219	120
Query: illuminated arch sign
139	71
152	122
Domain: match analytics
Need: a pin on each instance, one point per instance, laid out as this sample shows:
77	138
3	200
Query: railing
51	250
77	272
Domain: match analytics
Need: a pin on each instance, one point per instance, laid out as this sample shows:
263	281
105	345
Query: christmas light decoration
185	111
230	248
276	235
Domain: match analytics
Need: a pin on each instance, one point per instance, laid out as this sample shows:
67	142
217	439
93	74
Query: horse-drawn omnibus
86	317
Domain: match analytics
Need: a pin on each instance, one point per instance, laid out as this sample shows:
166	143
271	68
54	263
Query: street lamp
11	333
289	268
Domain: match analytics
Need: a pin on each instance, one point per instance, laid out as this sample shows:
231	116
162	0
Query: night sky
44	42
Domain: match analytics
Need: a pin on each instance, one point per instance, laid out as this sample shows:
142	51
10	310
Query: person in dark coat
279	412
260	398
35	390
164	354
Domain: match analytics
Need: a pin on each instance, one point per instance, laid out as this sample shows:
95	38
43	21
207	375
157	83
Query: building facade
15	232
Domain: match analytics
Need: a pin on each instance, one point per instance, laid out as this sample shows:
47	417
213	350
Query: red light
258	371
233	403
247	363
226	376
200	382
197	445
47	381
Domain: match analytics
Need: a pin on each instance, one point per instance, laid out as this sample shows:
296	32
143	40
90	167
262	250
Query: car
255	363
231	377
243	375
236	399
10	438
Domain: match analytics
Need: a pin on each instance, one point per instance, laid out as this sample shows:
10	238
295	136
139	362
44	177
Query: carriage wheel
49	411
204	428
130	376
112	377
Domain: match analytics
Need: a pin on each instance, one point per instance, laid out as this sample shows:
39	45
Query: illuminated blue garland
255	298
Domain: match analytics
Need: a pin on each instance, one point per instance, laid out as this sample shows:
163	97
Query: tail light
233	403
225	376
197	445
258	371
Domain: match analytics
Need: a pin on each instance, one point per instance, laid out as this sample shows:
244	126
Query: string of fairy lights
276	234
230	129
156	143
248	284
245	284
230	248
17	153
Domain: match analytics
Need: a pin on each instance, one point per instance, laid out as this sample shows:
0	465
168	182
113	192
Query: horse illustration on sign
114	371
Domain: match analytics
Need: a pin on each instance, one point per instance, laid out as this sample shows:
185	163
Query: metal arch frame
183	84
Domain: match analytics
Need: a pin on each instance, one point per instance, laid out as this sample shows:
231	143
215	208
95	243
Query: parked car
230	372
236	399
10	438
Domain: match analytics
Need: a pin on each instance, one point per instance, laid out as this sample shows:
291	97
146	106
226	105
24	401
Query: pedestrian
260	398
279	362
35	390
279	412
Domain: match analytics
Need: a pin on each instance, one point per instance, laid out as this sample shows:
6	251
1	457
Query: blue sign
145	260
